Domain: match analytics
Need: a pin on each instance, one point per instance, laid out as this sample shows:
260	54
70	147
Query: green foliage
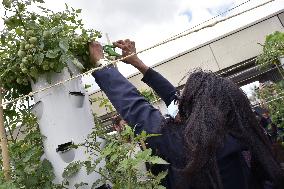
123	160
8	185
104	102
36	43
72	169
275	108
273	48
26	150
149	95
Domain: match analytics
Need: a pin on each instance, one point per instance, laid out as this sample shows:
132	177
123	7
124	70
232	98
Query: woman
205	150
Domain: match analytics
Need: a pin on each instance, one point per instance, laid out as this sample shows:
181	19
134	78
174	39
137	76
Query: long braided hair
211	108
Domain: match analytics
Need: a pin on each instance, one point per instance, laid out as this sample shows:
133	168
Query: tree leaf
157	160
78	10
51	54
72	169
63	44
78	64
39	58
18	31
87	86
56	29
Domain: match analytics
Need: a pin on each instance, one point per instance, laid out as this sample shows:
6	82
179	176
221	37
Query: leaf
34	72
63	44
145	154
87	86
18	31
157	160
78	64
64	58
28	156
72	169
3	39
56	29
39	58
58	67
7	3
40	1
78	10
161	175
51	54
41	45
113	158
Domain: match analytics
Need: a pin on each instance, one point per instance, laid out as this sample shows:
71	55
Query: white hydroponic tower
65	117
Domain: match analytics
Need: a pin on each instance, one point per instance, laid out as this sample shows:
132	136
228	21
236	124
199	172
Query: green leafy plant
273	49
34	43
149	95
276	107
123	158
26	150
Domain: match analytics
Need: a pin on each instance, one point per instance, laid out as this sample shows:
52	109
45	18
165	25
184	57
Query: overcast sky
150	21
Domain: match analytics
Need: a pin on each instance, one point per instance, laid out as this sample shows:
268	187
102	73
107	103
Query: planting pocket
77	99
66	152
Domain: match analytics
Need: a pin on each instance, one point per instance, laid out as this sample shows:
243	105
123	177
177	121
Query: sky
148	22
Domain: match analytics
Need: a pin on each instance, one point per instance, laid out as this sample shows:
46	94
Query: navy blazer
140	114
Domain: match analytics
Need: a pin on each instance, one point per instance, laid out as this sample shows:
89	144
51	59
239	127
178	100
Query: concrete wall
217	54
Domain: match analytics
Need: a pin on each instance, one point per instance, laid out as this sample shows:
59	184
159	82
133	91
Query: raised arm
153	79
125	97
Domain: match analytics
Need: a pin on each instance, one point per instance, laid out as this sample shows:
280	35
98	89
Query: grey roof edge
207	43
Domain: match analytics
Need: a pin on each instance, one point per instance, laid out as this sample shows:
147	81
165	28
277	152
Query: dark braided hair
212	107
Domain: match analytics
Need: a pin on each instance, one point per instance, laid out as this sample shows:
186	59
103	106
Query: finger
119	42
125	52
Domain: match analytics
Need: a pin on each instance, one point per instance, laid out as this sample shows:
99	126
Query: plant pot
66	152
67	156
281	60
77	99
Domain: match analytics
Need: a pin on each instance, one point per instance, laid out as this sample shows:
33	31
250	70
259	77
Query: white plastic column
64	115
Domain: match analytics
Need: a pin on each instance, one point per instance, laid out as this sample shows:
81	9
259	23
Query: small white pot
67	156
66	152
77	99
